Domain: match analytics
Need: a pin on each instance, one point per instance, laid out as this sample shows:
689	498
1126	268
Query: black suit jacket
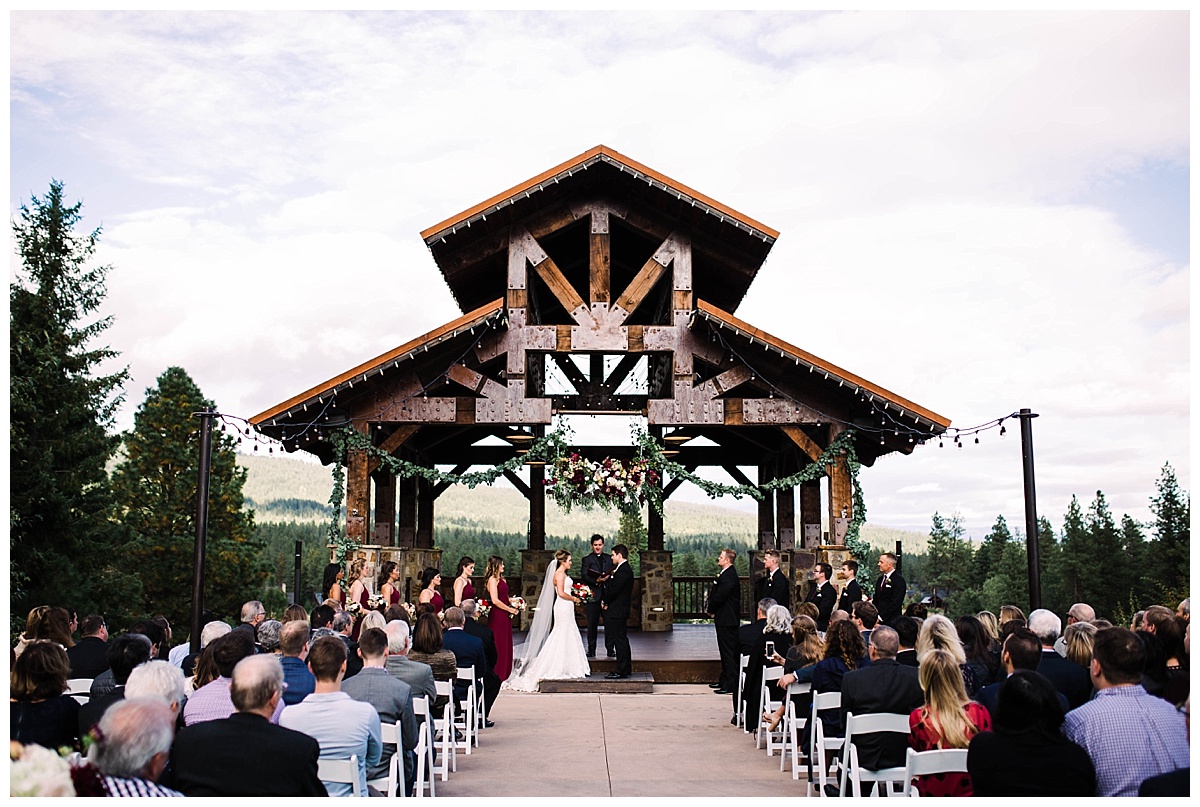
883	686
89	658
851	594
244	755
593	566
618	592
725	598
91	712
484	634
774	585
889	597
825	598
1067	677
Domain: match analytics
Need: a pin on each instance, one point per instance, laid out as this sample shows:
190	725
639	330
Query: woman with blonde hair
373	619
1008	612
500	617
938	633
1079	636
949	719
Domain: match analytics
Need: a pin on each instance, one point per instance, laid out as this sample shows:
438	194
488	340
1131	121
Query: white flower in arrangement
39	771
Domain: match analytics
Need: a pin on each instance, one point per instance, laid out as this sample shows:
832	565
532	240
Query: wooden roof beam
393	442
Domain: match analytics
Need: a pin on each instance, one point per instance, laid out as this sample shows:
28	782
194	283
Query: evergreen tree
949	557
1172	510
990	552
1139	585
1076	554
65	545
1050	568
1105	542
156	487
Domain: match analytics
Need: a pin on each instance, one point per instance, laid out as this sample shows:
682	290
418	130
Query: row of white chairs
79	689
837	756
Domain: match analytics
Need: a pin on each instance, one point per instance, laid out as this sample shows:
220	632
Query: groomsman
596	570
823	594
774	584
889	591
852	592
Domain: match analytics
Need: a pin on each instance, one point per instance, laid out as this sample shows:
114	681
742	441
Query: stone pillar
411	563
833	555
533	574
658	597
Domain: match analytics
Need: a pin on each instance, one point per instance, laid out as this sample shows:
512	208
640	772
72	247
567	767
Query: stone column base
411	563
658	598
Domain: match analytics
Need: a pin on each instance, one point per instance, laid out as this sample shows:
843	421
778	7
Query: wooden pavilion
603	269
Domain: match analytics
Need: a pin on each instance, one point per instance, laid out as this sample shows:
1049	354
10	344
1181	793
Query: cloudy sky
980	212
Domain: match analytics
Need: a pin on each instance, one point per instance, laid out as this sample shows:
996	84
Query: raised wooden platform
638	683
687	654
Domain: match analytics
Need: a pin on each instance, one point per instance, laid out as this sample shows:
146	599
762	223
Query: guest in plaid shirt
134	745
1129	734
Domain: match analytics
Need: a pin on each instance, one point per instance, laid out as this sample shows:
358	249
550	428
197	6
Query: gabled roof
856	385
376	366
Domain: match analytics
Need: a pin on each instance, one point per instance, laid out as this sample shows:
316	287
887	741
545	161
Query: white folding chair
741	703
765	704
341	771
793	726
480	716
78	688
821	748
924	763
465	721
852	771
390	733
424	749
443	733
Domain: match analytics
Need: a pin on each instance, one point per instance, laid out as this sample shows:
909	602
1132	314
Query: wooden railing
689	596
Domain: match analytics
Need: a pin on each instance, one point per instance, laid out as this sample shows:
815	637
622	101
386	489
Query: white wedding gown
561	656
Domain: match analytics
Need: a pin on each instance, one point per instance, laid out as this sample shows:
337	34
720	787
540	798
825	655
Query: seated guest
938	633
883	687
322	617
840	616
1178	688
134	744
844	651
491	681
38	710
1026	754
341	725
391	698
1077	643
212	630
1078	613
163	681
976	647
802	657
294	612
125	653
245	754
1184	611
865	617
396	613
293	646
1177	782
906	631
89	658
45	622
253	615
1022	651
417	675
947	720
808	609
1066	676
267	636
1008	612
467	650
427	648
1129	734
776	627
343	626
214	701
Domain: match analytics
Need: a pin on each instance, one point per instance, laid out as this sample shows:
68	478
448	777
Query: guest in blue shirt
298	680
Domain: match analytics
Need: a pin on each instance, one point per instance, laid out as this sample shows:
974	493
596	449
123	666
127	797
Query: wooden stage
685	655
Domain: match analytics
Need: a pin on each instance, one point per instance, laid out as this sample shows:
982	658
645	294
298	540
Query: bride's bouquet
517	602
583	592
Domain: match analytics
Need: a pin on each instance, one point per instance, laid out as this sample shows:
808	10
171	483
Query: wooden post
785	518
537	507
406	533
841	496
425	501
766	509
385	509
810	513
358	494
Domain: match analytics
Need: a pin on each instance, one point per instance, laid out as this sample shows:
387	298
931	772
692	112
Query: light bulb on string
1001	429
976	439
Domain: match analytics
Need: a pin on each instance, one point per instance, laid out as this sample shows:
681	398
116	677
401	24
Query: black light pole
1031	526
206	419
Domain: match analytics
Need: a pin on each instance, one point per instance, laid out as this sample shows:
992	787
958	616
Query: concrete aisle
676	742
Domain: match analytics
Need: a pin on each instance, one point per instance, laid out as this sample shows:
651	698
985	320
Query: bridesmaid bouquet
482	609
377	603
354	609
583	592
411	609
517	602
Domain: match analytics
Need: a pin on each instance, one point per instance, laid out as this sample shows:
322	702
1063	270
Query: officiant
596	568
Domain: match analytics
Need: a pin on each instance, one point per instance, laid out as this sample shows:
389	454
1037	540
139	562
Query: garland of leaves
554	447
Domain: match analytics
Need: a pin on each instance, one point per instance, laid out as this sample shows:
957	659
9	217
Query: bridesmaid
389	573
500	618
431	580
331	584
463	590
360	570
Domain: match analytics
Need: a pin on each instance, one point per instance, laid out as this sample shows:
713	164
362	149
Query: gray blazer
417	675
392	699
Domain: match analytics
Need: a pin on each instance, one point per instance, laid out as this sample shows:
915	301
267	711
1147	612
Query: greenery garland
555	447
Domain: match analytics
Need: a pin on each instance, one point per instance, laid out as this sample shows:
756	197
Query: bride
554	648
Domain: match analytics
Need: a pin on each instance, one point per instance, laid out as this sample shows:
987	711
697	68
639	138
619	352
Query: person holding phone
776	636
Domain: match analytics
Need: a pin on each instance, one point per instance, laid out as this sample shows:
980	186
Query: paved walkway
676	742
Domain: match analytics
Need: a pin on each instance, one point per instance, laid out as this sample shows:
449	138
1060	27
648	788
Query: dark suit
989	698
774	585
825	598
752	641
1067	677
468	652
354	662
884	686
244	755
89	658
91	712
724	603
851	594
491	681
593	566
889	597
907	658
618	596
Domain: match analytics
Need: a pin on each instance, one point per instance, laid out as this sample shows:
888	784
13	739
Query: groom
617	594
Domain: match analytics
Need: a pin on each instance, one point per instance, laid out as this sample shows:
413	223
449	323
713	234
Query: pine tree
1172	510
156	488
1139	585
1075	553
65	544
949	556
1105	542
990	552
1050	568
